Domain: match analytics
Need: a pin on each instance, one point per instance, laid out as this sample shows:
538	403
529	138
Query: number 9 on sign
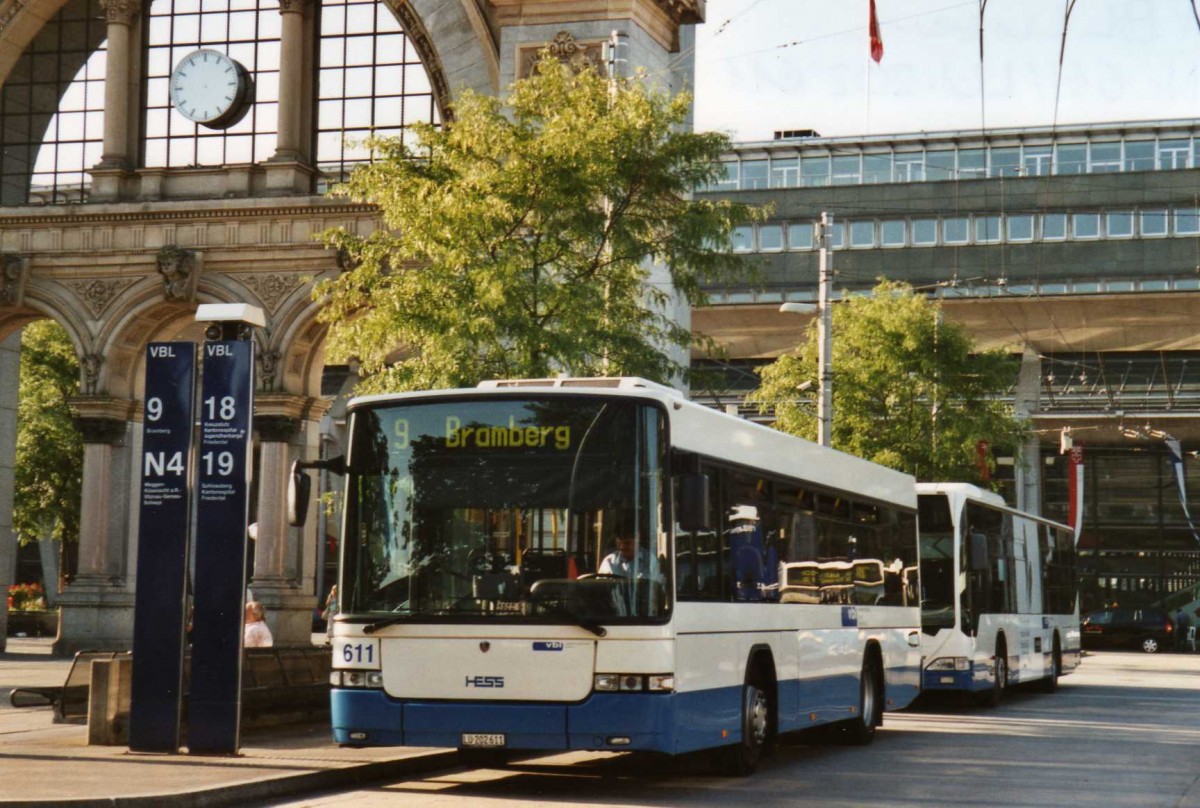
357	653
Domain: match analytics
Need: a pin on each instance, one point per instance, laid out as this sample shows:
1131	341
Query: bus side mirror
299	491
977	552
300	486
693	502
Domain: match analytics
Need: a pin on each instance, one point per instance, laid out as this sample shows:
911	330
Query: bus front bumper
974	677
603	721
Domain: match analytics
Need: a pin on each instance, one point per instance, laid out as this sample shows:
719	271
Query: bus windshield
938	575
530	509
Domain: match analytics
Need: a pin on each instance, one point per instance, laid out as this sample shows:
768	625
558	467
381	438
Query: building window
729	182
1006	162
1173	154
785	172
891	233
1119	224
1070	159
910	166
877	168
987	229
248	32
371	82
837	235
754	174
1085	225
1153	223
1037	160
862	233
1054	226
1019	227
1187	221
924	232
972	164
955	230
800	236
939	165
814	172
847	170
770	238
743	239
1139	155
52	136
1104	158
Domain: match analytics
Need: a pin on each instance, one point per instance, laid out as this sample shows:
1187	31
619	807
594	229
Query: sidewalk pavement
48	764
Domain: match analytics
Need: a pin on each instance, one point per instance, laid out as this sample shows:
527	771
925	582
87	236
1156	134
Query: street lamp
824	332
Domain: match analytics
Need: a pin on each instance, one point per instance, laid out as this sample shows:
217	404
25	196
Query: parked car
1117	627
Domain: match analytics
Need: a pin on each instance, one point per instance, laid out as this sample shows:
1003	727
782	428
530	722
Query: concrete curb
266	788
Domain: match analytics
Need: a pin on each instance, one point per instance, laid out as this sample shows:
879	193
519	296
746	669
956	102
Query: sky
763	65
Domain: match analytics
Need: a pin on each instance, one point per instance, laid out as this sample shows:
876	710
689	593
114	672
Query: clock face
209	88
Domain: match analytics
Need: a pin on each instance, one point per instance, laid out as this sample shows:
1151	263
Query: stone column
291	79
97	607
284	566
10	363
1028	462
288	171
117	90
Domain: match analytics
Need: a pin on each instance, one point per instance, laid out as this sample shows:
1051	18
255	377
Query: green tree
49	473
910	391
519	239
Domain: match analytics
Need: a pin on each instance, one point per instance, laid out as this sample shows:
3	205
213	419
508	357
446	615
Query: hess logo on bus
484	681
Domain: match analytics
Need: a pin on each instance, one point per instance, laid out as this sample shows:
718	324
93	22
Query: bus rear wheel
1050	683
743	758
860	731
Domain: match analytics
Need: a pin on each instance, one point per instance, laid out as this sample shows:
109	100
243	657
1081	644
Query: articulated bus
1000	601
763	583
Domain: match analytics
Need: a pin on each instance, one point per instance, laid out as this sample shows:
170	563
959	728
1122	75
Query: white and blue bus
764	585
1000	602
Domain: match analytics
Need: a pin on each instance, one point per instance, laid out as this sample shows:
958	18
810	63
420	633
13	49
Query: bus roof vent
608	382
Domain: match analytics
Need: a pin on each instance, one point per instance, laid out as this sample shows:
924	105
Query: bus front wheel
743	758
993	697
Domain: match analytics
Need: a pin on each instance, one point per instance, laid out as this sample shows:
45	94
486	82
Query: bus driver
629	561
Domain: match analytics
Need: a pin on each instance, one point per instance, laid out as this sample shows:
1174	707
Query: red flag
982	450
876	39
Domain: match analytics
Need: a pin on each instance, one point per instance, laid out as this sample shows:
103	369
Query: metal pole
825	336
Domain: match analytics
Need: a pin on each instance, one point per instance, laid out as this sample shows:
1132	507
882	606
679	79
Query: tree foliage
518	240
49	473
909	390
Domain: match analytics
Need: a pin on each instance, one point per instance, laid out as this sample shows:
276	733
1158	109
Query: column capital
276	428
95	408
287	406
122	12
293	6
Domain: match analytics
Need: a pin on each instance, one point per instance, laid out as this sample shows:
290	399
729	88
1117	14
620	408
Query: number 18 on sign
226	401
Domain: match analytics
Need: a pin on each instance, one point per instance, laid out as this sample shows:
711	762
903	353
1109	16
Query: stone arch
457	46
40	304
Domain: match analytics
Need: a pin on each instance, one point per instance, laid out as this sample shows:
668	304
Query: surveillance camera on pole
230	321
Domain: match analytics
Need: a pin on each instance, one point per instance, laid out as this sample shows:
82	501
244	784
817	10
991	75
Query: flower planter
33	623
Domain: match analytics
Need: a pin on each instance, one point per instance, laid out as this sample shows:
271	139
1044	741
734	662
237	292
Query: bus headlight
957	663
634	682
356	679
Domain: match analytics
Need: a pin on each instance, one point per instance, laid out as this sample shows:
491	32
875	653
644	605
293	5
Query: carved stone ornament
97	294
121	11
288	6
14	273
180	270
268	369
566	48
272	289
90	365
6	14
